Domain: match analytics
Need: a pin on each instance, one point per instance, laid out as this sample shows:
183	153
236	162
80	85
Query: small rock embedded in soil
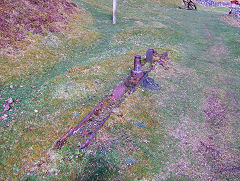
10	101
36	110
11	86
76	114
6	107
130	161
33	87
139	124
4	117
7	124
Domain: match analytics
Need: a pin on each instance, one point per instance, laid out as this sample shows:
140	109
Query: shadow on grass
99	166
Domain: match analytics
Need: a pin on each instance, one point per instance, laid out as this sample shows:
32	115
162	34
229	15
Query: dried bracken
19	16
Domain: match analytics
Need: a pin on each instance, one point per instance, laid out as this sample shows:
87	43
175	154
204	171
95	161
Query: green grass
169	148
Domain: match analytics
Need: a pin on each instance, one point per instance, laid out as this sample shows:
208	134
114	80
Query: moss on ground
73	71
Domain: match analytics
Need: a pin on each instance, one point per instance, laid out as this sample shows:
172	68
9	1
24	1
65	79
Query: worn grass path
191	125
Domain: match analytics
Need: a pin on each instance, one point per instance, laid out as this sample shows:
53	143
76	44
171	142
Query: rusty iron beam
63	139
90	114
129	84
89	139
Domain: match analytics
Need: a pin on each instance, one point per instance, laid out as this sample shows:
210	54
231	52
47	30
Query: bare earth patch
231	21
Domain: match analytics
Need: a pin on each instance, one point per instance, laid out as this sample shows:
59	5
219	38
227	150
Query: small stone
33	87
76	114
36	110
11	86
145	141
125	1
130	161
0	95
17	100
6	107
10	100
4	117
33	99
7	124
139	124
21	86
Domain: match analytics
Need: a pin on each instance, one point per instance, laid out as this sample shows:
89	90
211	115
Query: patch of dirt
214	154
230	21
215	110
217	51
17	17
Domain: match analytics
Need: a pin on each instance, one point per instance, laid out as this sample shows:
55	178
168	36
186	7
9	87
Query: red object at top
235	2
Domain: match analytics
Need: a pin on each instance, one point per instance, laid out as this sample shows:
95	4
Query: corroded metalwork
149	55
99	115
137	72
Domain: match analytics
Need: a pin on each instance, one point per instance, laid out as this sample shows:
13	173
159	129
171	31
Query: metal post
149	56
137	71
114	11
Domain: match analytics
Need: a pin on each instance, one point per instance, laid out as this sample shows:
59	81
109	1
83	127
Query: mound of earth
17	17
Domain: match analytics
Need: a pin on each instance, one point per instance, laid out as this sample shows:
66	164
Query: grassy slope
180	141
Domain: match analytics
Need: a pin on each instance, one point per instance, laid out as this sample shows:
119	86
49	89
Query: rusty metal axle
119	94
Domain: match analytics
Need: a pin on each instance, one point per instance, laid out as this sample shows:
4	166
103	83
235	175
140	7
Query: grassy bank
191	124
